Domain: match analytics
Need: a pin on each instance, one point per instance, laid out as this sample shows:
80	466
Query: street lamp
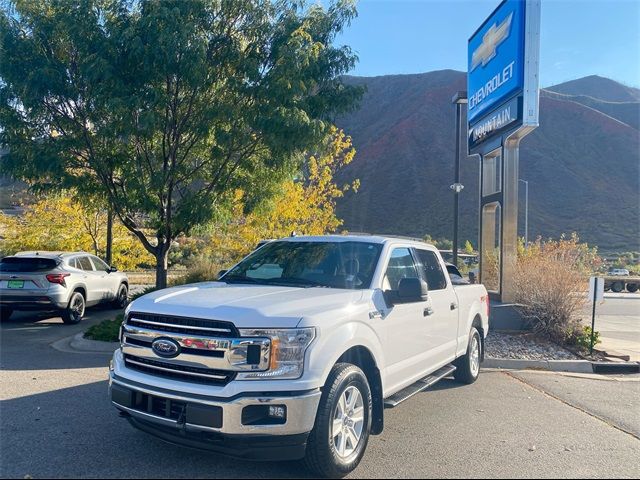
459	99
526	211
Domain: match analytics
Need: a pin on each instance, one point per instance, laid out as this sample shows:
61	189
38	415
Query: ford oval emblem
165	347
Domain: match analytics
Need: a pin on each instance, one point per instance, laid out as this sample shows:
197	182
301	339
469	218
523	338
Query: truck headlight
288	347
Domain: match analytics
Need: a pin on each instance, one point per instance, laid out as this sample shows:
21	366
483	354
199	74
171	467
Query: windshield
309	264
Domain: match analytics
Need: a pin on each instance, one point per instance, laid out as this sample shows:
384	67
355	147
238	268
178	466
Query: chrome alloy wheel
348	422
77	307
474	356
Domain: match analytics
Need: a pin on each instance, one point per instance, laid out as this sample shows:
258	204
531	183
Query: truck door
406	327
442	321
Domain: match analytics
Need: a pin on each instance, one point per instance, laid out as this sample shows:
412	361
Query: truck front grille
199	350
178	372
191	326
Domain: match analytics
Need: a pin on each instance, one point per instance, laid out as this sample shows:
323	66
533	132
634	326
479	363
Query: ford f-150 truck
297	350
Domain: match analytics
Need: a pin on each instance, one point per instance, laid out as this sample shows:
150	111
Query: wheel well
477	323
82	291
362	358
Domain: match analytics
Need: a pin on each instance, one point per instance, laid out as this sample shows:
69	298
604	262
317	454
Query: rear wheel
121	297
5	313
75	309
468	366
617	286
343	423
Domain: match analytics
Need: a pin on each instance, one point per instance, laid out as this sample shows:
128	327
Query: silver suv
67	282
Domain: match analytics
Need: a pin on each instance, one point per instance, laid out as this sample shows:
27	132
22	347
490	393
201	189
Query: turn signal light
58	278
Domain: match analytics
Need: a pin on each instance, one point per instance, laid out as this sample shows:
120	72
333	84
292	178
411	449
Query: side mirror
222	272
412	290
112	269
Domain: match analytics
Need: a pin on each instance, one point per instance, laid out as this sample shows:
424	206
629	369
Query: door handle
454	306
427	311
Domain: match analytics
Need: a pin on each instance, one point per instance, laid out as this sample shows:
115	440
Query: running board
421	385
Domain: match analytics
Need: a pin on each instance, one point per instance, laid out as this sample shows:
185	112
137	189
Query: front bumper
215	423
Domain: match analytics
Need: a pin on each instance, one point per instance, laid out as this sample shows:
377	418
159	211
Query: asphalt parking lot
56	421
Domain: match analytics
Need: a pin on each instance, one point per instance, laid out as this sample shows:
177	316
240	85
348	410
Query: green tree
167	107
305	205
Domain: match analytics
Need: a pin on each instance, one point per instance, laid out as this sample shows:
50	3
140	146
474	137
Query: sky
577	38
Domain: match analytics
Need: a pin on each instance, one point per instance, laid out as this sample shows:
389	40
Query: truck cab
296	351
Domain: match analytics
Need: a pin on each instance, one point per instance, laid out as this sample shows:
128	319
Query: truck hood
247	306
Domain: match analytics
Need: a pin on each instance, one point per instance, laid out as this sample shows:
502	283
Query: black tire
617	286
322	456
122	297
5	313
75	309
632	287
467	370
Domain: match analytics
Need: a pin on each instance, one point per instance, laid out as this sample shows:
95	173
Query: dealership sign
502	81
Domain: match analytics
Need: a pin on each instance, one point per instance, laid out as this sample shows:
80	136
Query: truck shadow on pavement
26	342
76	432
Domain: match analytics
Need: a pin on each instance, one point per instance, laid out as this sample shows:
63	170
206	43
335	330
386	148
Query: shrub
106	331
582	339
202	270
550	284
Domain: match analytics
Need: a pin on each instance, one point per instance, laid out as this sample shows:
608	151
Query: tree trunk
162	265
109	235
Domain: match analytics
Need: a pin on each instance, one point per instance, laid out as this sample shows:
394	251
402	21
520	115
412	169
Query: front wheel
75	309
468	366
343	423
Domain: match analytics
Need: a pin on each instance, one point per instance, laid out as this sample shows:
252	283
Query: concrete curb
572	366
78	344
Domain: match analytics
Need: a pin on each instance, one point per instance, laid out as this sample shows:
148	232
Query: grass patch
105	331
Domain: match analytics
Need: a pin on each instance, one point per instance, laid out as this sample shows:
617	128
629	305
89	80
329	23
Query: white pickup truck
296	351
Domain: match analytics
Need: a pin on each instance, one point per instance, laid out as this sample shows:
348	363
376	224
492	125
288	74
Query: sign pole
593	313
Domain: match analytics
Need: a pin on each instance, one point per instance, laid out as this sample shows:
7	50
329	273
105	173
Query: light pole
526	211
459	99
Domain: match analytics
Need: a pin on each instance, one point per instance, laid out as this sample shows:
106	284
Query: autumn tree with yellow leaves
305	205
60	223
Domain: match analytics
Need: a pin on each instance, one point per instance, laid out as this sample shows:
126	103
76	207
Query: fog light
277	411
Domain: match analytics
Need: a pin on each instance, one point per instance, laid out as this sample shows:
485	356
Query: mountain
582	163
600	88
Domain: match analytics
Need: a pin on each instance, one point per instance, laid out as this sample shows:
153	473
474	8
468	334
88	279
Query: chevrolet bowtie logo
490	41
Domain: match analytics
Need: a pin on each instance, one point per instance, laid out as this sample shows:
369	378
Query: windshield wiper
295	281
238	279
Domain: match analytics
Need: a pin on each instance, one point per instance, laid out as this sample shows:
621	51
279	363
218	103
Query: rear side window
27	264
85	264
432	270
